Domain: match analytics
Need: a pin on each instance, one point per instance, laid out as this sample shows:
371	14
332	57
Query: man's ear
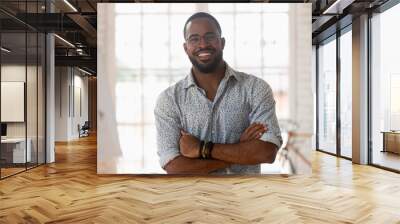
223	42
185	47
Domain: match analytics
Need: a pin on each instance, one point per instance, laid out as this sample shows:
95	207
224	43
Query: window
327	97
346	94
385	86
150	58
22	63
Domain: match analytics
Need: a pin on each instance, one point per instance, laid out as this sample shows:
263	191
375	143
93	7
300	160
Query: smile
204	55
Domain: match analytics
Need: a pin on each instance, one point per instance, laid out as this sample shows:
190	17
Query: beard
208	67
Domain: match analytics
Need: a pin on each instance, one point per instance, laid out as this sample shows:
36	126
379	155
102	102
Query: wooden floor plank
70	191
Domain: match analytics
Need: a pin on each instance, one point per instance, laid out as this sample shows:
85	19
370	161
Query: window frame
334	37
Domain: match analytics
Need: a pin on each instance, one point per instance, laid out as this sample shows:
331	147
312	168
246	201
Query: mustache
205	49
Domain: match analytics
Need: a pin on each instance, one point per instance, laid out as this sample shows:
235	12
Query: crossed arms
250	150
179	151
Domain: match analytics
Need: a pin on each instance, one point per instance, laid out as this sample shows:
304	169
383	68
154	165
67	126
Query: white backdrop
140	53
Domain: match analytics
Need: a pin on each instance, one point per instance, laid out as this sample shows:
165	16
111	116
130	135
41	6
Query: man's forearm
245	153
183	165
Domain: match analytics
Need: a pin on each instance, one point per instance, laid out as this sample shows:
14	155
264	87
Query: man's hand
254	131
189	145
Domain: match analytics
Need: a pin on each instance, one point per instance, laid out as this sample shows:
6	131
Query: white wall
70	83
61	103
33	126
80	103
12	73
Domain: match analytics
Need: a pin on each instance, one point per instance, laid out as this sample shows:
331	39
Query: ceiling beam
86	26
337	7
82	61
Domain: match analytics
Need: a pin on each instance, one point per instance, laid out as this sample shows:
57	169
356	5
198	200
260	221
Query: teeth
204	54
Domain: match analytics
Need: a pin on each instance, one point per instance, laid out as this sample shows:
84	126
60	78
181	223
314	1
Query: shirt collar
229	72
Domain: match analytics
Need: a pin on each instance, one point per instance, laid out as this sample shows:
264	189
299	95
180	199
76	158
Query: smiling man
216	120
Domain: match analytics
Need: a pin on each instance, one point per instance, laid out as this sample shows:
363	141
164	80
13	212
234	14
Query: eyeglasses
210	38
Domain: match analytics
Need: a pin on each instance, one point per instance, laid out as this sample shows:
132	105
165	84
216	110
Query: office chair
84	130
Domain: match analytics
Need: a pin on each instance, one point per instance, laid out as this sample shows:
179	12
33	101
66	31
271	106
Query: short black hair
201	15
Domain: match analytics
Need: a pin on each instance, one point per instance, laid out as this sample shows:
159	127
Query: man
216	120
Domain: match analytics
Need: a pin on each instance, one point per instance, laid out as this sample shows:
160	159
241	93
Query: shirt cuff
167	155
269	137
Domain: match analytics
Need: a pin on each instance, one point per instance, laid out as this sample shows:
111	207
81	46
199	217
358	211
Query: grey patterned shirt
241	99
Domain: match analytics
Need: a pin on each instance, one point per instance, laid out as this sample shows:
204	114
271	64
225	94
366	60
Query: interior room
52	74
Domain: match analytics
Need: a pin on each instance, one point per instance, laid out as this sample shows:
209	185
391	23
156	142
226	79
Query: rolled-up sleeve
168	127
263	111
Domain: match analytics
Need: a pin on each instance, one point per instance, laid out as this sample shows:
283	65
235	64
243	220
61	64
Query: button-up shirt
241	100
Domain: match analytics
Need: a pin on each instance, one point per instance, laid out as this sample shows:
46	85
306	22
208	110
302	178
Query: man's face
203	44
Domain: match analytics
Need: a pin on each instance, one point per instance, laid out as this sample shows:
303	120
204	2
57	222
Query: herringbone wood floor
70	191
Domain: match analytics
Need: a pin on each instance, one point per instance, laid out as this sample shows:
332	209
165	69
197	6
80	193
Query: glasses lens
208	38
194	40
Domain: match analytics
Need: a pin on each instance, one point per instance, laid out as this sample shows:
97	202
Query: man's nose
203	42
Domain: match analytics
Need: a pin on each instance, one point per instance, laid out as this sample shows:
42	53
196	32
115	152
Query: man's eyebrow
197	35
210	33
193	35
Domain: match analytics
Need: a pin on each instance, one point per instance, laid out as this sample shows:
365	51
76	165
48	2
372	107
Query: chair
84	130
